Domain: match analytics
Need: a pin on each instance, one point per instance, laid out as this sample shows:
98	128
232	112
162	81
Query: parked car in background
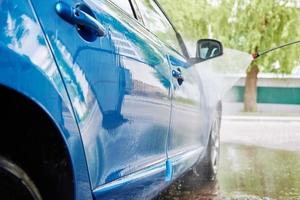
100	100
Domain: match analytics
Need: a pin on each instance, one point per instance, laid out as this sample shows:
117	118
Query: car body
119	114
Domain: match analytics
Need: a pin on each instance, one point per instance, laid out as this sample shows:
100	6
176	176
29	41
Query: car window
124	5
157	23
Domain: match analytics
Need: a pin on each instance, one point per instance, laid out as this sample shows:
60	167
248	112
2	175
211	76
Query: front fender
47	91
27	67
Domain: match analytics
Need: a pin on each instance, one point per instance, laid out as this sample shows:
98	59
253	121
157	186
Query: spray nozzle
255	55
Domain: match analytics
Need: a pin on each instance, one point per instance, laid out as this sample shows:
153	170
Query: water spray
256	55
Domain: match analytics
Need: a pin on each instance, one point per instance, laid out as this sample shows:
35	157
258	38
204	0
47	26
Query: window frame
137	11
137	15
123	11
180	41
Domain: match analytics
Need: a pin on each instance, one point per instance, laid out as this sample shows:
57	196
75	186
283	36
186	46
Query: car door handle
178	76
76	16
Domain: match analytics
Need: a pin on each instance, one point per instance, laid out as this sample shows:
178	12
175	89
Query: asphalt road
260	159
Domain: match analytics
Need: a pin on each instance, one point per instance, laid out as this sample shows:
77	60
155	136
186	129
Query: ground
260	159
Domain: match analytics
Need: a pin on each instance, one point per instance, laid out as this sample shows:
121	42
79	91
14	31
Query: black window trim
138	17
137	11
123	11
178	35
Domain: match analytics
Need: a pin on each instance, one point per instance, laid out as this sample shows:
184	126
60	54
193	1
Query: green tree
246	25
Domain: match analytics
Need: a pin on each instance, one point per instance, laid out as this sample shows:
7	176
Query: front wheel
211	160
207	168
15	184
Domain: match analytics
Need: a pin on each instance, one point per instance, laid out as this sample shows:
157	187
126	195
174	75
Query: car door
119	85
187	133
186	129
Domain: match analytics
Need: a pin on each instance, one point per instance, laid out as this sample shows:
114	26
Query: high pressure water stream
217	74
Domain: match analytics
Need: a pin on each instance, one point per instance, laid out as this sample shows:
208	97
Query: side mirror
208	48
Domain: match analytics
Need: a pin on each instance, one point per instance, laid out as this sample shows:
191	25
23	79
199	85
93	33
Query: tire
208	167
210	163
15	184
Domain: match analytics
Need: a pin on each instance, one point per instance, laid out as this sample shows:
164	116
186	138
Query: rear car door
119	85
186	129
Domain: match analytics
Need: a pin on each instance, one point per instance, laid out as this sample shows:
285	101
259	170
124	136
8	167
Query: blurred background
271	84
260	138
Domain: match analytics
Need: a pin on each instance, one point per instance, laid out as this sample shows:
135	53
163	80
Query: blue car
100	99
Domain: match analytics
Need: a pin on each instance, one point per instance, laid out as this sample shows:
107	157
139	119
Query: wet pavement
260	159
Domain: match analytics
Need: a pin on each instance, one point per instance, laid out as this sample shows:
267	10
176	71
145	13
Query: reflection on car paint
29	69
118	89
116	97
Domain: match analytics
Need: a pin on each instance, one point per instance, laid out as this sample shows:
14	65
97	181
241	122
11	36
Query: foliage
246	25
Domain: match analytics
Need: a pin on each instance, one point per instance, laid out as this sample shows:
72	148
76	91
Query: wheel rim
15	184
215	146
